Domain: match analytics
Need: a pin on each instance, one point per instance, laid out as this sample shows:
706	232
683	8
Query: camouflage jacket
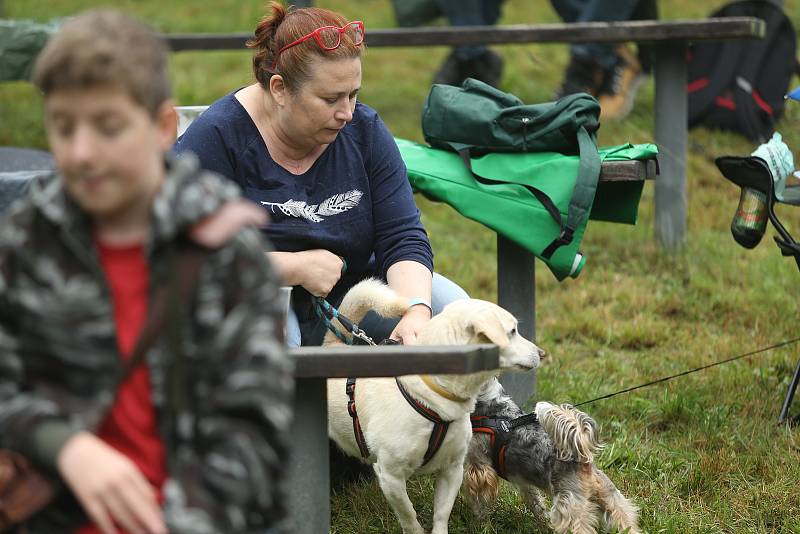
59	361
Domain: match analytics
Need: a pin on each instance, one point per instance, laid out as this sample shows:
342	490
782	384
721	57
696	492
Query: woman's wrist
420	303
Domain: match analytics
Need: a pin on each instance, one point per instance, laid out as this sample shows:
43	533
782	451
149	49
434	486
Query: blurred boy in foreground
193	440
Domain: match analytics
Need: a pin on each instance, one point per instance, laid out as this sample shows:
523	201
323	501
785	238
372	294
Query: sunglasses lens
356	32
329	38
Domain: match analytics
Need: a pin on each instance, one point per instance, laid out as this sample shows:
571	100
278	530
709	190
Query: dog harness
438	433
499	430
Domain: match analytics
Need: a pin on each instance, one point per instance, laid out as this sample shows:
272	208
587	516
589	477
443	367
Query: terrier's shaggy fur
555	455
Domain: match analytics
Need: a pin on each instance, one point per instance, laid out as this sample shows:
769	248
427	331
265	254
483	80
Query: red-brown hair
283	26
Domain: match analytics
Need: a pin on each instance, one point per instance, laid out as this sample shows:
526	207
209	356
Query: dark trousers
602	11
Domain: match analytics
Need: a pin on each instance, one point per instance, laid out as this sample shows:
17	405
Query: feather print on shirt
331	206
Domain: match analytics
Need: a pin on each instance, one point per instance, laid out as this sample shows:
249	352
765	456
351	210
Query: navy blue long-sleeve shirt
354	201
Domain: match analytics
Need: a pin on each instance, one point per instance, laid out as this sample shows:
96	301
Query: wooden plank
626	31
392	360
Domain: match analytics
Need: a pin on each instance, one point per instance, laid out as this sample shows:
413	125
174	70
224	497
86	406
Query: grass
699	454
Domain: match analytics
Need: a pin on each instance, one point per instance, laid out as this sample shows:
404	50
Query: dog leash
690	371
327	313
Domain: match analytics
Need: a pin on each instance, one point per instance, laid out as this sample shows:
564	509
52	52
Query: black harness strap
499	430
440	426
350	388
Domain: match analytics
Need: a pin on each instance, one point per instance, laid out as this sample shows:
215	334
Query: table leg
516	292
309	463
671	135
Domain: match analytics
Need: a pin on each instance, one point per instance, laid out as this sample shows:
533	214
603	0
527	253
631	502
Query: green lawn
698	454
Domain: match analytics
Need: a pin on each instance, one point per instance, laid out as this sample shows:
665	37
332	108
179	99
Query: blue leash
327	312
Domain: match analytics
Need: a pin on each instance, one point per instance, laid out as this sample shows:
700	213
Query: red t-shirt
131	426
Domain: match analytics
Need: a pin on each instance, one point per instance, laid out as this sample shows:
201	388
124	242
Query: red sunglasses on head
329	37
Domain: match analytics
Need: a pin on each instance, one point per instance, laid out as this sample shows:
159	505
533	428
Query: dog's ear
488	328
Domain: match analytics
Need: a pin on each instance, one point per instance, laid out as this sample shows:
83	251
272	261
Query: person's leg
292	330
470	13
470	61
603	11
569	10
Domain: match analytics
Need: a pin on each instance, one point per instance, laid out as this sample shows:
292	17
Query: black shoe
487	67
451	72
583	75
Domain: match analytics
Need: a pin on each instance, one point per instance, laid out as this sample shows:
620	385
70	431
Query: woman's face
324	104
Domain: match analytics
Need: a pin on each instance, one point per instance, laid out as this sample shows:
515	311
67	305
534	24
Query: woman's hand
317	270
409	326
320	271
109	486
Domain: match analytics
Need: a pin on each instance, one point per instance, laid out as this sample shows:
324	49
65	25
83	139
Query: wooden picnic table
669	37
309	465
515	266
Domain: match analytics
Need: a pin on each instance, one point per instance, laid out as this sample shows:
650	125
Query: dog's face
473	321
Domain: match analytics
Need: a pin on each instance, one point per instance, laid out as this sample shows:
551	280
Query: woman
325	167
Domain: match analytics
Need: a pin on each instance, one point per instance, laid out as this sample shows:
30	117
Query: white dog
397	435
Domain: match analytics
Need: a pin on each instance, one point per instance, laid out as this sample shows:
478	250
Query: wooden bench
309	483
670	38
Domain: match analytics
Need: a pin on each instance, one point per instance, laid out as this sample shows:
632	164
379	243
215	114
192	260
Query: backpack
476	119
740	84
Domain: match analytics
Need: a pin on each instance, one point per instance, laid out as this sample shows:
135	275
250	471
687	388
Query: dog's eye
513	332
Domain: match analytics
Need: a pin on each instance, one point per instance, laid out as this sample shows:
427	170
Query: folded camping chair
753	172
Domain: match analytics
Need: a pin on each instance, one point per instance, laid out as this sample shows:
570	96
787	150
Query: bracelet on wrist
417	301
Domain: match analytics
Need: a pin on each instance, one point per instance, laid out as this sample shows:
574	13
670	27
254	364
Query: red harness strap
438	433
350	388
499	430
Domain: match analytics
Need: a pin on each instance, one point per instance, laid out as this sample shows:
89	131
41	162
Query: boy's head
106	48
108	111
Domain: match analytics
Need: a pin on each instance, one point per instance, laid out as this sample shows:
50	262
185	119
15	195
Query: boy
81	259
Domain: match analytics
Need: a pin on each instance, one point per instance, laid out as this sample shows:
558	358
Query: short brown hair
106	48
283	26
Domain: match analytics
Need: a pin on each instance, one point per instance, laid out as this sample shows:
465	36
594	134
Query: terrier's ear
488	329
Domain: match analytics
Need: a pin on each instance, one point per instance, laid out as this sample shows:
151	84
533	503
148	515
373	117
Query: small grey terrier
551	450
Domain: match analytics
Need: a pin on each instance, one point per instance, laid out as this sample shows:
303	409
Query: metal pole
516	292
309	461
789	395
671	134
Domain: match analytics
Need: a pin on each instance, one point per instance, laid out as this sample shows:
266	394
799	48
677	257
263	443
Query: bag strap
582	194
187	272
719	79
540	195
746	114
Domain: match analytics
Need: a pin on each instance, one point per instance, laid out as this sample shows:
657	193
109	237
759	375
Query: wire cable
690	371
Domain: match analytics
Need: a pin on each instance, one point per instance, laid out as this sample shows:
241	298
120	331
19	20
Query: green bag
509	209
477	119
415	12
20	43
